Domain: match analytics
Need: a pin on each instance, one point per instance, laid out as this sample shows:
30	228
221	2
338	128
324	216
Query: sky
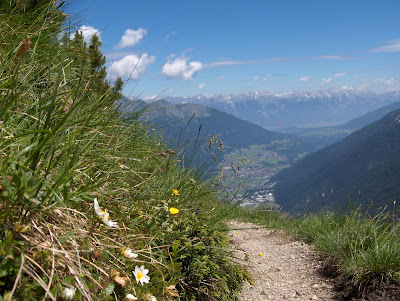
189	47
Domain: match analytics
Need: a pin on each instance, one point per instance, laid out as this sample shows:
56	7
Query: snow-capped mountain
314	108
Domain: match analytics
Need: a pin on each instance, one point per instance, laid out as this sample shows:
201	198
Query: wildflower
175	192
141	275
170	290
260	254
130	297
117	278
173	210
150	297
128	253
68	293
104	215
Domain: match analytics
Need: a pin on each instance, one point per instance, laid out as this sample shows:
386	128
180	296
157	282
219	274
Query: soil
284	268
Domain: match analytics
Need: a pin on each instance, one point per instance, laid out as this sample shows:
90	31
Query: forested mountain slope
324	178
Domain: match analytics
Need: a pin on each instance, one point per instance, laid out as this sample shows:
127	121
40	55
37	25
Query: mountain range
363	168
302	109
182	123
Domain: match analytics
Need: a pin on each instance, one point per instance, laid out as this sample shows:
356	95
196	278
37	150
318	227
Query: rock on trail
282	267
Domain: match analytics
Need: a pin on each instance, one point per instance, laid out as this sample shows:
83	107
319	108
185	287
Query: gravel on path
282	267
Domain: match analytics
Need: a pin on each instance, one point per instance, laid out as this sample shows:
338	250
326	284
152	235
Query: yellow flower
260	254
173	210
104	215
141	275
175	192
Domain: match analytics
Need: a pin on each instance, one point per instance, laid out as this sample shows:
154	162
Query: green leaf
66	236
109	289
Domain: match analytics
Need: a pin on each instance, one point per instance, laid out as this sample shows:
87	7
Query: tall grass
63	145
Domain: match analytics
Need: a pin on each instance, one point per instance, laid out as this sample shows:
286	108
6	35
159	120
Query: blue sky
228	46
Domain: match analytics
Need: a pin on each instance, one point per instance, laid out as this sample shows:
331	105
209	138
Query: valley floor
282	268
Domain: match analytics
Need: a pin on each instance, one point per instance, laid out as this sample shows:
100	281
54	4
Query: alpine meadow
106	195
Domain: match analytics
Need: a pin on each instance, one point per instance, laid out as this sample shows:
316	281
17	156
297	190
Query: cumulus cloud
392	46
181	68
87	32
326	81
256	77
201	86
131	66
131	37
339	74
304	79
220	77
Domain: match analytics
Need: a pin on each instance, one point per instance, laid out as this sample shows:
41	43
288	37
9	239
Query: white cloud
380	85
267	76
326	81
220	77
181	68
346	88
331	57
201	86
131	66
339	74
393	46
166	39
87	32
131	37
304	79
256	77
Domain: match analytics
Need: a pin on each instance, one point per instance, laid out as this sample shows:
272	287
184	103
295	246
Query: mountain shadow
361	167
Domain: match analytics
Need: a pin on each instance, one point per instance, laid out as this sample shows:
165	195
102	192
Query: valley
247	159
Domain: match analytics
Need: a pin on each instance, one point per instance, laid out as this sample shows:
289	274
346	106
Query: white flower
129	254
150	297
130	297
104	215
122	166
141	275
68	293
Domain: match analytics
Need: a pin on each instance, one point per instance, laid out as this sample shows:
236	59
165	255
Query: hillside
364	120
320	179
94	207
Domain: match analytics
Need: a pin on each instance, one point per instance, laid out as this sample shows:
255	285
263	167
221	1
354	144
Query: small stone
315	285
263	293
314	297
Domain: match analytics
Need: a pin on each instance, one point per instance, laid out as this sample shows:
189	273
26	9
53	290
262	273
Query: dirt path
287	269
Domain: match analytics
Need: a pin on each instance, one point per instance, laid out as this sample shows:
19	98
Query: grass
63	145
361	249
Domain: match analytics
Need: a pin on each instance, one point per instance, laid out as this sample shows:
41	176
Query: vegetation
362	250
324	179
92	207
